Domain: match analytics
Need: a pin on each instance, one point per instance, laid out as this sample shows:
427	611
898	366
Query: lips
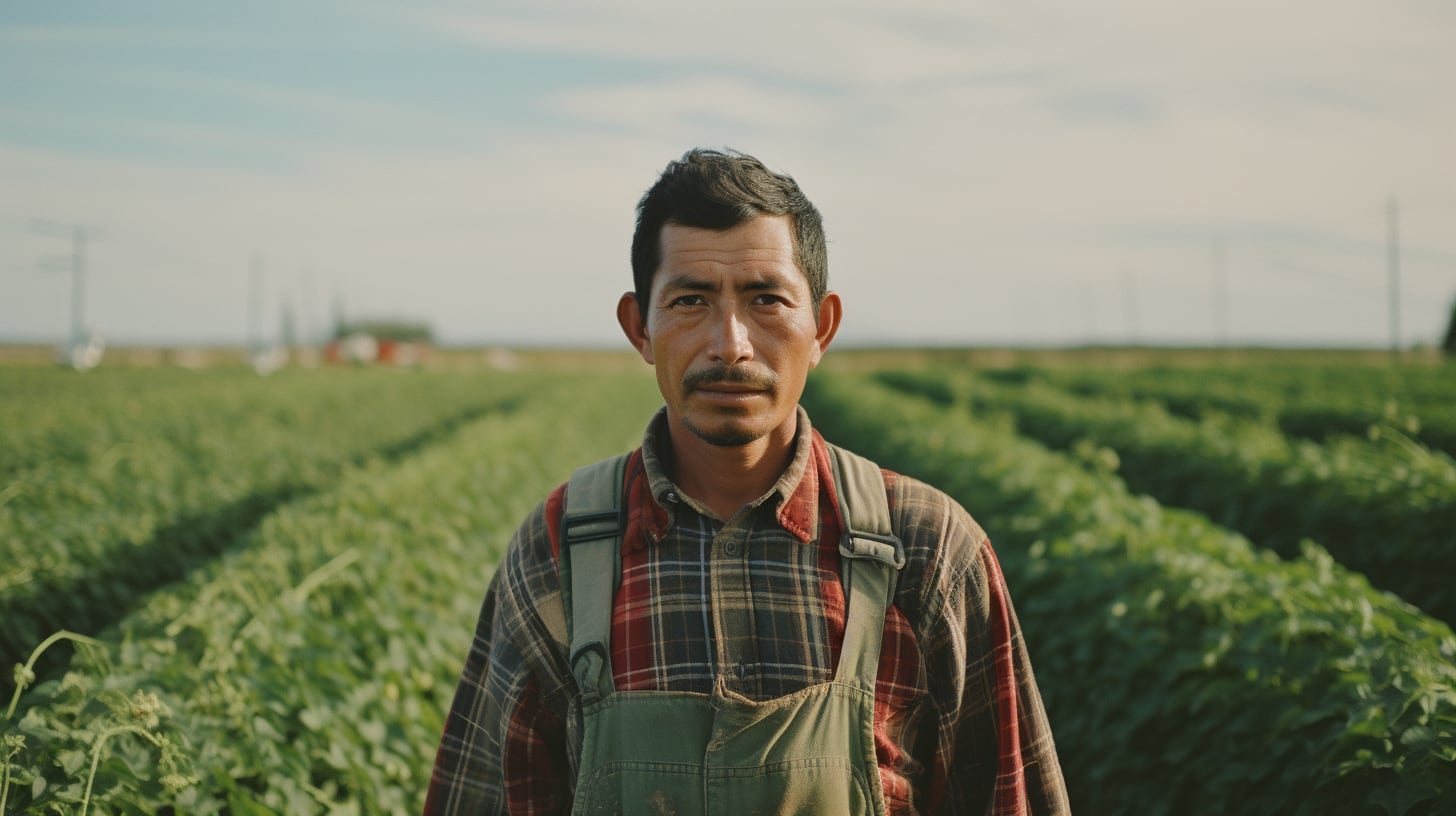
726	394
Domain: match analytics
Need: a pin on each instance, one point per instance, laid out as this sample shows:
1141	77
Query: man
766	623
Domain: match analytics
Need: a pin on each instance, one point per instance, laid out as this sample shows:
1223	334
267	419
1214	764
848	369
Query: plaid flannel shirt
756	604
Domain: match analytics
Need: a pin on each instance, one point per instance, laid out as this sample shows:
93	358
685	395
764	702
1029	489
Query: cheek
798	340
784	329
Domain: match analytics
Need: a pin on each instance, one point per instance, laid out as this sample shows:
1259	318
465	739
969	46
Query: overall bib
647	752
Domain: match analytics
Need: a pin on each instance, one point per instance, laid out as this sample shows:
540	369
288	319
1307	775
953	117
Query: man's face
731	329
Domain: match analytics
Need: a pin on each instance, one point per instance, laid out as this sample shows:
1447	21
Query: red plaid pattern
755	603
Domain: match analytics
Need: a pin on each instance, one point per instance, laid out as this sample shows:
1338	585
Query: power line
1392	263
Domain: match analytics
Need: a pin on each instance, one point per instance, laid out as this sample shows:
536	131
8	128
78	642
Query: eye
769	300
687	300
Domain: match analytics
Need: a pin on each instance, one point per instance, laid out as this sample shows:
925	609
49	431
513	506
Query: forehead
761	246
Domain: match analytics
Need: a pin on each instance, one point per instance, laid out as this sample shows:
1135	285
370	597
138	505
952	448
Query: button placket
732	540
732	605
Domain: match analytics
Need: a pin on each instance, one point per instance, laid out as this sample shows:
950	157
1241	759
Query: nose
730	340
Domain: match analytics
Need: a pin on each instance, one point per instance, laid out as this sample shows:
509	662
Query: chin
726	435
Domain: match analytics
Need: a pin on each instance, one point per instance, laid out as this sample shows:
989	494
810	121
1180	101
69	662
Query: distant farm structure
382	342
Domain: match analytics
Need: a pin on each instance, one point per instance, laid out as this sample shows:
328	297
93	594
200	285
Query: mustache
761	379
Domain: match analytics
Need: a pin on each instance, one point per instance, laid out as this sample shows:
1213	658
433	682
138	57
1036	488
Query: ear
629	317
830	312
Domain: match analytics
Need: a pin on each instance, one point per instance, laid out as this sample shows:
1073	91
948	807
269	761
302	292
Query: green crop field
224	593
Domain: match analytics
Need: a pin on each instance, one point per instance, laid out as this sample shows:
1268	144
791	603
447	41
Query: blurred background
1039	174
1156	289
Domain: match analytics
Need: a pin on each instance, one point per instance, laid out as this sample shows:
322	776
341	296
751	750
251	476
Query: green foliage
1310	401
308	670
112	489
1382	506
304	664
1184	671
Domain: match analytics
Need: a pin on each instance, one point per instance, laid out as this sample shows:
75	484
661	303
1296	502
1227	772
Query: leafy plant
149	484
1184	670
1383	506
308	670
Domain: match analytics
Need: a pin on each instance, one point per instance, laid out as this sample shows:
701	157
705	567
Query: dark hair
718	190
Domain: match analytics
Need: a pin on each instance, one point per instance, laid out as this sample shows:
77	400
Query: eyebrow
688	282
693	283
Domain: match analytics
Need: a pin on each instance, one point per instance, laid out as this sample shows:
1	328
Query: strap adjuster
582	527
871	547
587	663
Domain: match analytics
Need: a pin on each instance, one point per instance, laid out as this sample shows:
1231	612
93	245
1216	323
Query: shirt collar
655	499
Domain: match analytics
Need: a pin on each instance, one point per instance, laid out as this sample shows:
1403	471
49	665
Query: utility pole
79	234
1392	266
1129	307
340	316
78	285
1220	293
308	328
255	304
1089	317
287	325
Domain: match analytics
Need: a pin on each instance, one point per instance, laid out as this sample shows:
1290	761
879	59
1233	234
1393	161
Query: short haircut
712	189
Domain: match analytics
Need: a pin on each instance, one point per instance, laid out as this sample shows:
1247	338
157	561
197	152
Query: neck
724	479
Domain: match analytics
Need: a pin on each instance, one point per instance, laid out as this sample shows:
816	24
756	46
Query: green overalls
811	752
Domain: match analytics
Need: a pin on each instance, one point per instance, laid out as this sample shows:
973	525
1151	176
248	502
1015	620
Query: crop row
183	473
1184	670
1386	508
52	415
1307	401
309	670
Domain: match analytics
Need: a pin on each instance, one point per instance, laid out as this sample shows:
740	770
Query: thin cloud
985	172
213	139
190	38
851	47
703	101
283	97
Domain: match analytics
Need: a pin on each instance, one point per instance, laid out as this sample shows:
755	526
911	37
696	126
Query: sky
1030	173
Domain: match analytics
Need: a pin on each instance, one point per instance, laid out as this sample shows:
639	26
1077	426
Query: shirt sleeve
503	749
1028	777
993	749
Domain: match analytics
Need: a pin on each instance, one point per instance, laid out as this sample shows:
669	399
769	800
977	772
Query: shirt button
731	548
672	497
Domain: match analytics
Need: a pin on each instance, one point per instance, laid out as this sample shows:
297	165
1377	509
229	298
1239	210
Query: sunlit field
231	593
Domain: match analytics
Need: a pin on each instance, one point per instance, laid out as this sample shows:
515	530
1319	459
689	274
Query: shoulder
945	548
925	517
942	541
528	584
534	541
531	568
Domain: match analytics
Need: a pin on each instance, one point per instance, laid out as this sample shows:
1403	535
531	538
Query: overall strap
871	556
592	525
